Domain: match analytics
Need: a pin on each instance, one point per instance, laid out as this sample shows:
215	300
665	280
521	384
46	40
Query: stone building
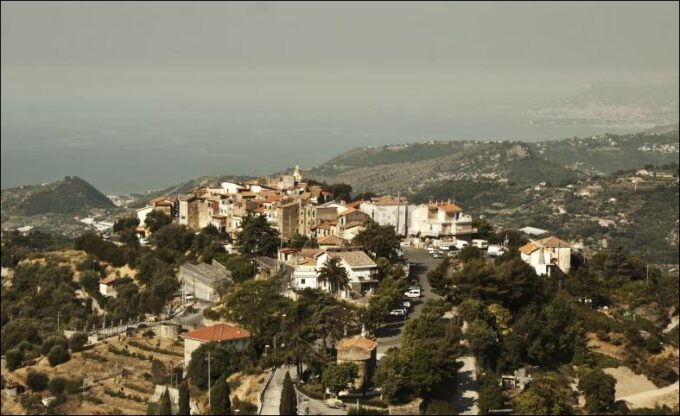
362	352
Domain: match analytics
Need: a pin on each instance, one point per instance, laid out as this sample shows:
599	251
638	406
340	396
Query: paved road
389	335
465	400
272	397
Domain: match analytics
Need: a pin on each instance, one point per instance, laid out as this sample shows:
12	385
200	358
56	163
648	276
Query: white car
412	293
398	312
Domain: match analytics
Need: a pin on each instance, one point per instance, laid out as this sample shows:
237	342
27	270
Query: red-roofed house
547	256
237	337
439	219
106	286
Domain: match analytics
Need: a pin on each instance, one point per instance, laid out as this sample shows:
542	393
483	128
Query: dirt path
666	395
627	382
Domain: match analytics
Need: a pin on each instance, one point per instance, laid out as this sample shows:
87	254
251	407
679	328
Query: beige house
237	337
548	256
106	286
362	352
439	219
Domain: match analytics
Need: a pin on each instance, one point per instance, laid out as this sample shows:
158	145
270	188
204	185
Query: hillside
439	169
69	196
143	199
610	153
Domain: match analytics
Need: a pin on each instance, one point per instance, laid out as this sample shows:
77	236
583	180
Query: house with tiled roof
106	286
330	241
235	336
549	256
439	219
350	222
388	210
362	352
361	270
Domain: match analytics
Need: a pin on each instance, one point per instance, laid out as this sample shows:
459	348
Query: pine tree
164	406
219	397
184	408
288	404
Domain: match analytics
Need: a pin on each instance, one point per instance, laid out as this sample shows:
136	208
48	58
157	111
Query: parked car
437	254
335	403
452	253
406	304
412	293
398	312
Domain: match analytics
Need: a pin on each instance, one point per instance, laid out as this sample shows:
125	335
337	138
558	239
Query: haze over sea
132	96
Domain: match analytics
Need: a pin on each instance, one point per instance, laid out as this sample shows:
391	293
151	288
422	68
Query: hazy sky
339	74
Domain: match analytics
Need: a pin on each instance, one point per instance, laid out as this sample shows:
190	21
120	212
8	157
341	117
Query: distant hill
71	195
445	169
610	153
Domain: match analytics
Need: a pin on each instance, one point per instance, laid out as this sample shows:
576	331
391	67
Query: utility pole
58	321
398	209
647	279
209	404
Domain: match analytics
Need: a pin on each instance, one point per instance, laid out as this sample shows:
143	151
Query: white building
239	338
106	287
440	219
304	275
388	210
548	256
361	270
142	213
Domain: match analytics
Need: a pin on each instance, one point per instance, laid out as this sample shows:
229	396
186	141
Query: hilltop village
285	295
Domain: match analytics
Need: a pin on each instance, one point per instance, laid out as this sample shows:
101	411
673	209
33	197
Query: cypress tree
184	408
164	406
288	404
219	397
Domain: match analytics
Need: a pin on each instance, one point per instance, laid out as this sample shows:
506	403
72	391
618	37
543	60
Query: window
302	281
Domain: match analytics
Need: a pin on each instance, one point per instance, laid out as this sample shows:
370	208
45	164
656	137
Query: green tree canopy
220	404
288	404
333	274
599	389
379	241
184	408
257	237
339	376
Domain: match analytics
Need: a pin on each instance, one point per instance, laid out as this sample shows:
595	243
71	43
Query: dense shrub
57	385
36	380
58	355
78	341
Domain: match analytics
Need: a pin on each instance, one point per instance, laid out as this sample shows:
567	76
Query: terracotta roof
389	200
289	250
527	248
217	333
348	211
356	342
308	262
247	193
552	242
107	280
355	258
355	204
331	240
327	224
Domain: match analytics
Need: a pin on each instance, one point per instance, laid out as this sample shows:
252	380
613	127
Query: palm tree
334	275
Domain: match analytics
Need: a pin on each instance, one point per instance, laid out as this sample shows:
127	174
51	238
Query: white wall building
388	210
239	338
548	256
440	219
